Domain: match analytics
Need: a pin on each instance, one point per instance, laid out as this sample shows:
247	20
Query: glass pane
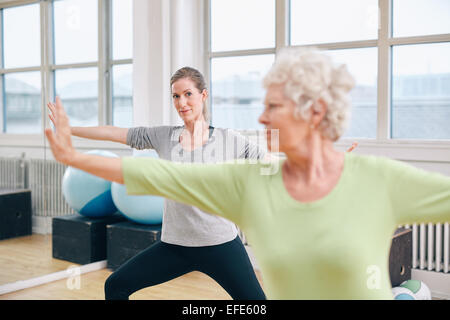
122	29
362	64
123	96
22	36
421	91
237	91
76	31
323	21
78	90
419	17
240	25
23	102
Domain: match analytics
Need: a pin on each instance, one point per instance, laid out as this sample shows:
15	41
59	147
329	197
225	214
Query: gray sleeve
147	137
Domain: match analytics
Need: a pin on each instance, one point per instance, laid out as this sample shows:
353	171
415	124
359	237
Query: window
420	98
63	50
76	31
76	43
78	89
122	29
242	51
242	25
347	30
22	102
21	77
237	91
397	51
122	95
326	21
21	23
418	17
420	101
122	69
362	64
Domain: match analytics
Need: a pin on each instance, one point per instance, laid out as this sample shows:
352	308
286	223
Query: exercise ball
419	288
87	194
401	293
142	209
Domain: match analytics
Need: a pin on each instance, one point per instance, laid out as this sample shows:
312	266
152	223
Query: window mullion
208	57
282	24
238	53
104	63
384	71
11	4
46	57
121	61
44	64
420	39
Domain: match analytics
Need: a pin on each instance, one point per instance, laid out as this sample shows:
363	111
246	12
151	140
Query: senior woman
320	225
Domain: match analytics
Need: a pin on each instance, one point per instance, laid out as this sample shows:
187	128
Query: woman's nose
181	102
263	118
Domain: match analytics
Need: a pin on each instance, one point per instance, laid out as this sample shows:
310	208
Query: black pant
228	264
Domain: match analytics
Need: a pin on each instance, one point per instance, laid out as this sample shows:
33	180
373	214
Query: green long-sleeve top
334	248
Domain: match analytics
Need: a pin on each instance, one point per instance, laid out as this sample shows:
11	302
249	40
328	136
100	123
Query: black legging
228	264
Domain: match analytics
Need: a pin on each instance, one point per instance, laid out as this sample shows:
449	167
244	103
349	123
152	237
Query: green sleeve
417	196
213	188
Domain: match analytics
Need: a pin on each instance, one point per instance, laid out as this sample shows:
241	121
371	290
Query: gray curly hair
309	75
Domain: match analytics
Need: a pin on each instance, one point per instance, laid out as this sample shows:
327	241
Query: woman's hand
52	112
108	133
60	141
354	145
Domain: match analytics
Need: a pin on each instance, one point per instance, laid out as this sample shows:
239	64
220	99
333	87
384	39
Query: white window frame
104	66
402	149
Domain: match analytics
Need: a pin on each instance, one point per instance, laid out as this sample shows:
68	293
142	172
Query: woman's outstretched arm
106	133
63	151
215	188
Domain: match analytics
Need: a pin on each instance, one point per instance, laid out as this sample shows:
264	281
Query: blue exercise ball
401	293
141	209
87	194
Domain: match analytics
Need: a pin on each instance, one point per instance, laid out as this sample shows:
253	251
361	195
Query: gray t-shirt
187	225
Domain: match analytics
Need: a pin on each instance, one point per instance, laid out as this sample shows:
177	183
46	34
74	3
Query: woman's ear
204	94
318	112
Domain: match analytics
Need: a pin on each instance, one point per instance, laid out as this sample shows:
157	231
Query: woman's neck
196	127
314	160
195	133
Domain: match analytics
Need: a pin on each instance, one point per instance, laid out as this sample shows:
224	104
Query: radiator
45	182
13	173
43	178
431	247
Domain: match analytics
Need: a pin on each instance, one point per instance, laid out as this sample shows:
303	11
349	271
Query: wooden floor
28	257
32	256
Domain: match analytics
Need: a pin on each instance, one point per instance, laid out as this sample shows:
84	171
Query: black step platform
400	256
126	239
15	213
80	239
